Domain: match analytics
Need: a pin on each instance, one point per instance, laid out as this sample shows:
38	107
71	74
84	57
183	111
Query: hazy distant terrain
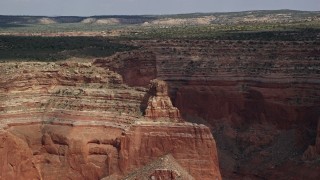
171	26
272	16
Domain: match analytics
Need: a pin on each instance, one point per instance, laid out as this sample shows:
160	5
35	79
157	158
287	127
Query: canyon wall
71	120
192	147
255	80
260	98
136	67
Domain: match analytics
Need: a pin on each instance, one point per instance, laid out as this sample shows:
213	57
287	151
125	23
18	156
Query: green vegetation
30	43
57	28
56	48
258	31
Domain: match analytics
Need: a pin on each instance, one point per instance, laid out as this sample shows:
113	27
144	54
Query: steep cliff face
261	98
64	152
276	81
16	158
192	146
73	120
95	151
256	80
136	67
40	104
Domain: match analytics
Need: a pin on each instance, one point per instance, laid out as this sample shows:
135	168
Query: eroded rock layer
257	80
137	67
65	91
261	98
159	103
73	120
176	140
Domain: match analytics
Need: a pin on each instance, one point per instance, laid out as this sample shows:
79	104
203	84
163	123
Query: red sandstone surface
261	99
159	103
82	121
71	120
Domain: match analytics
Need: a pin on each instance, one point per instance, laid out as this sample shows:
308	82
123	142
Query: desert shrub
29	48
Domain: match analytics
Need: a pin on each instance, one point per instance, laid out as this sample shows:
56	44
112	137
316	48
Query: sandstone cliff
260	98
159	103
71	120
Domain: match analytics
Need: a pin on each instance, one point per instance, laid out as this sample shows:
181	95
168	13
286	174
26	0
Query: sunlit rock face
159	103
72	120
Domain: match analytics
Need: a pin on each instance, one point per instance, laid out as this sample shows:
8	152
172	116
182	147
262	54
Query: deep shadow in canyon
260	98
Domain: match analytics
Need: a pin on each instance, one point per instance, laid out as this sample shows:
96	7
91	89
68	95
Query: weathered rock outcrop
137	67
72	120
180	140
159	103
261	98
164	167
16	158
91	151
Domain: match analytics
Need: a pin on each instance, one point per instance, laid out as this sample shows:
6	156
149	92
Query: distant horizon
87	8
157	14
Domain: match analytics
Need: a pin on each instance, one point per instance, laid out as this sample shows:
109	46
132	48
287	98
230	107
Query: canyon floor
194	96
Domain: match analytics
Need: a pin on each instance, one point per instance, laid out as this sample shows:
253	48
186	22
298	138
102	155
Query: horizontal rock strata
261	98
159	103
72	120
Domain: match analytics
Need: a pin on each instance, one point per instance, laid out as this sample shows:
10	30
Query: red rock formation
136	67
78	121
159	103
192	146
261	98
16	159
95	151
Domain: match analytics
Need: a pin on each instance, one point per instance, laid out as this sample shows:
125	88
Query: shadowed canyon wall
260	98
